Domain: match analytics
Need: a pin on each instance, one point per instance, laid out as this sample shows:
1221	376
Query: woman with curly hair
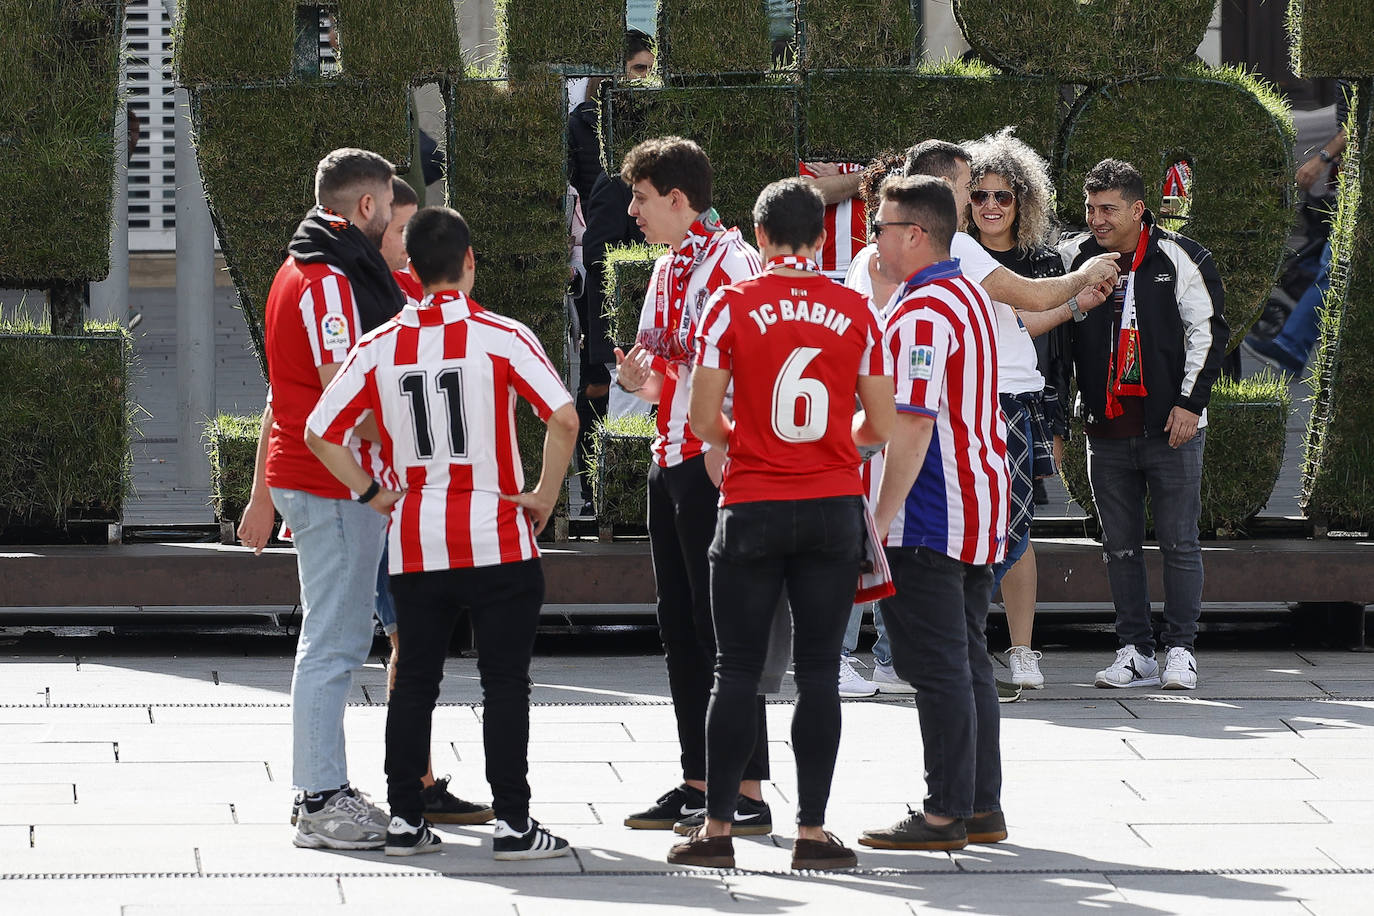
1011	205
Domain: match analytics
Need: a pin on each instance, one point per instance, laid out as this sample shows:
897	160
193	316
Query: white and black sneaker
406	839
1131	669
671	807
1180	670
509	844
752	818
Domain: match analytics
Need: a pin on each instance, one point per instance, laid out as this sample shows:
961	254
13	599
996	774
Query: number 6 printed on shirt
795	394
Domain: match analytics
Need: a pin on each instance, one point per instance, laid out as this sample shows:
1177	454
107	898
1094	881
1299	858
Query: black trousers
937	623
504	603
812	548
682	522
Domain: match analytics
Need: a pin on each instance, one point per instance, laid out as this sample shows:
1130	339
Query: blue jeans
811	548
1121	472
1303	326
938	621
338	549
882	649
386	607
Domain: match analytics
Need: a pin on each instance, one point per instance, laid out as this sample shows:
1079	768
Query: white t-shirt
1017	366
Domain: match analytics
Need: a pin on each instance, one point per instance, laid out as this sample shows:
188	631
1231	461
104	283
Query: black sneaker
671	807
752	818
443	807
508	844
915	832
406	839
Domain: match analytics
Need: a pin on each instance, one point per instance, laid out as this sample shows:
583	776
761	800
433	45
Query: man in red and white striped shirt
670	180
943	504
442	382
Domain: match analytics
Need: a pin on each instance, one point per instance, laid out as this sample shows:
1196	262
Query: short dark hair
1116	175
637	42
928	202
792	212
668	163
341	174
436	240
936	157
402	194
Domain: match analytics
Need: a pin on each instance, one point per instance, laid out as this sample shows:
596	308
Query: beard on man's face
375	229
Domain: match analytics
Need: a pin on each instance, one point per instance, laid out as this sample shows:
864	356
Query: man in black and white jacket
1145	370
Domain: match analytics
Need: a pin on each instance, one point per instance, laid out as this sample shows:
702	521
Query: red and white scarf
1125	373
671	336
794	261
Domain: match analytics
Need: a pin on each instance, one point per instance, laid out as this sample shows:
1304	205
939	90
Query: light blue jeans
882	649
338	547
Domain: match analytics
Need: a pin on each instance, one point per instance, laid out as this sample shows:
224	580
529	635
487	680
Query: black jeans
504	603
811	547
937	622
682	521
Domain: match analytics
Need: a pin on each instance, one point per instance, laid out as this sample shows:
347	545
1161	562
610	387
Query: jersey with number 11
795	347
443	381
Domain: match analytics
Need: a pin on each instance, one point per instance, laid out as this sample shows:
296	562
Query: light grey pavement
160	784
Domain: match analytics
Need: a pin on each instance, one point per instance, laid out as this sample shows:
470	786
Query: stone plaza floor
160	784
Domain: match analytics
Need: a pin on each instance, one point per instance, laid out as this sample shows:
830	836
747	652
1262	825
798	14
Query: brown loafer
988	827
703	850
817	855
915	832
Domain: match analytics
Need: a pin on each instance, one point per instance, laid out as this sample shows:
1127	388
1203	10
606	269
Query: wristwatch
1077	313
1324	156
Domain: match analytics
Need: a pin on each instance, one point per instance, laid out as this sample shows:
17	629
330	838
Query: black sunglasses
880	225
1003	198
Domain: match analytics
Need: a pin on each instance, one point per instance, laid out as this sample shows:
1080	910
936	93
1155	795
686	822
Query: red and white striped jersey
310	321
442	381
846	226
409	285
942	336
795	347
729	259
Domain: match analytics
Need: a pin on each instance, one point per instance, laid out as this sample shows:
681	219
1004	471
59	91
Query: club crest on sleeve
334	331
922	361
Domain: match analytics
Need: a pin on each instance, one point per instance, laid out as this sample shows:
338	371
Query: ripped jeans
1121	472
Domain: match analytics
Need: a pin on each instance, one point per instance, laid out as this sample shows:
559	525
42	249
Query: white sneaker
1180	670
1025	667
887	680
1131	669
347	821
853	684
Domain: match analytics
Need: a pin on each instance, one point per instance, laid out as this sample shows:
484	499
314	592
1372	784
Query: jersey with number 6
795	347
443	380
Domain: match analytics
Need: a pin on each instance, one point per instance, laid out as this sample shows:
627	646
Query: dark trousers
1121	472
936	622
682	522
504	603
812	548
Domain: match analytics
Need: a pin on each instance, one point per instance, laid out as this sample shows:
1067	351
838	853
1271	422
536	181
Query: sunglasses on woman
1003	198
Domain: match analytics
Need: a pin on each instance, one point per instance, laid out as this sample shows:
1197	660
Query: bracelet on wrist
1324	156
621	386
1077	313
365	497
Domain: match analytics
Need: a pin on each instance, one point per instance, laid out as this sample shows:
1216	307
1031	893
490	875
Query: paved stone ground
160	784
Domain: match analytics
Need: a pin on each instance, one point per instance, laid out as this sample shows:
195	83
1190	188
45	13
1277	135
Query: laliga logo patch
334	331
922	361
